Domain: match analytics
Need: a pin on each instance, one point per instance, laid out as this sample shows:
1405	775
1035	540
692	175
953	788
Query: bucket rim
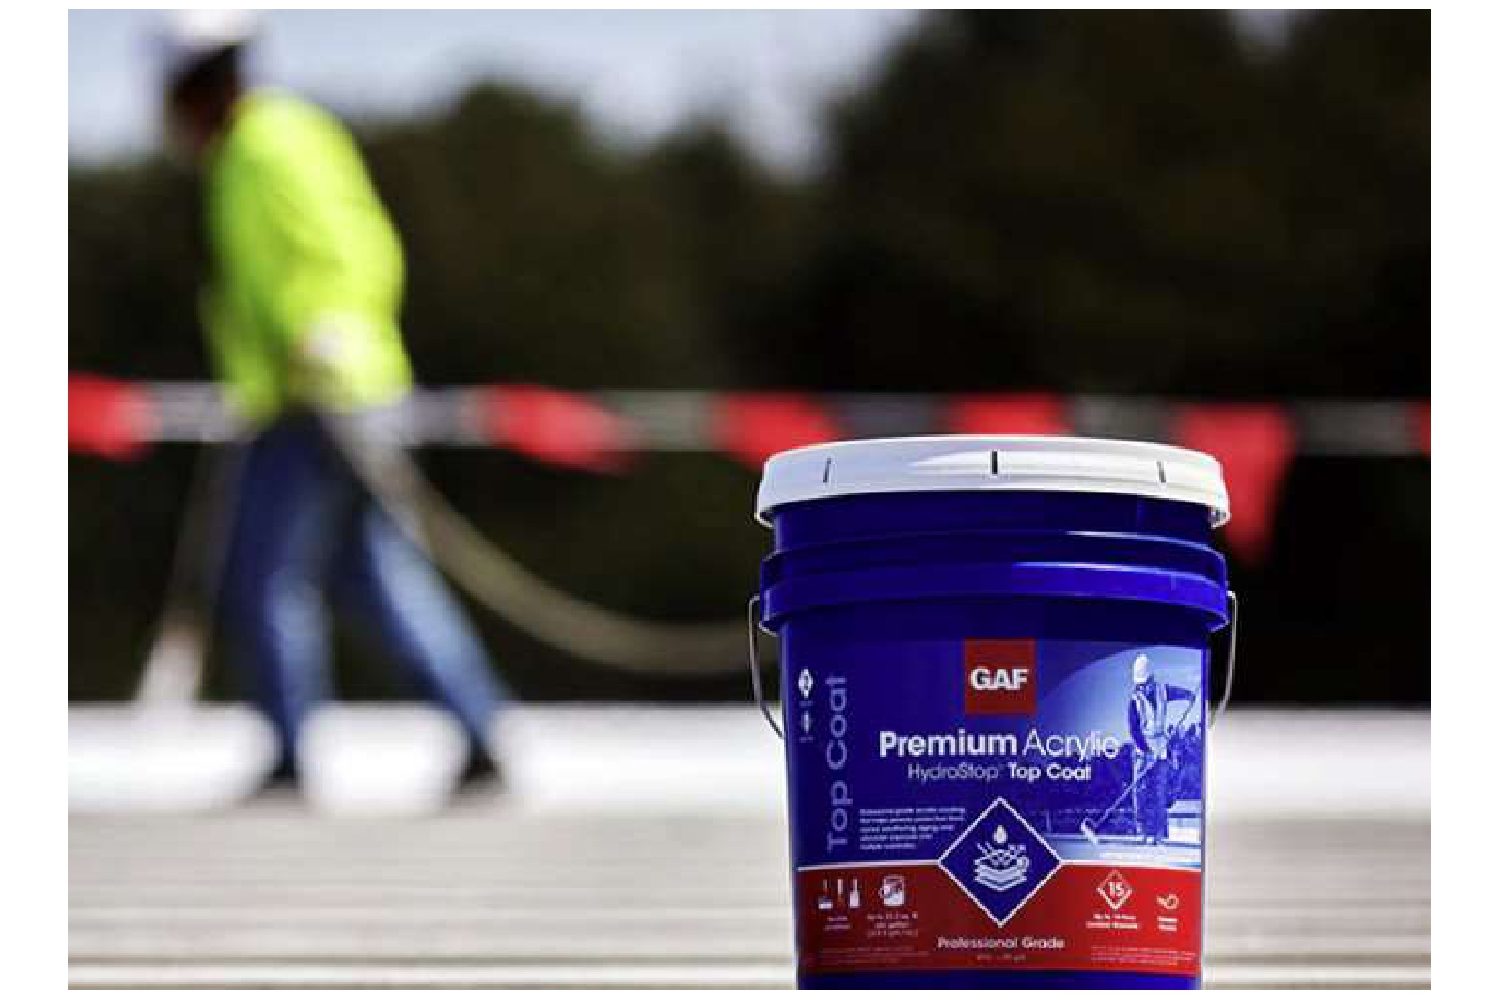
992	462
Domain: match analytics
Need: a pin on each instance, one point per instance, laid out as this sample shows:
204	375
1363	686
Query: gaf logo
1000	677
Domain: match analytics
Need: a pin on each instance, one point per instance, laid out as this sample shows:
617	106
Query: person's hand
322	359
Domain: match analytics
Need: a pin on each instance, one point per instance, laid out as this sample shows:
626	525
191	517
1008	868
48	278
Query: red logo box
1000	677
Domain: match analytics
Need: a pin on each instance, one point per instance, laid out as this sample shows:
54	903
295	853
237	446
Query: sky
637	74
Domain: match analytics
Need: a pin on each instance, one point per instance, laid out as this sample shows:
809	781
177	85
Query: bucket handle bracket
1234	642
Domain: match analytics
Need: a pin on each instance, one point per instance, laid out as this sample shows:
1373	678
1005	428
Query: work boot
282	784
480	776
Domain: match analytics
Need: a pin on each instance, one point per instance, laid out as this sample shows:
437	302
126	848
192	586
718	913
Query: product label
998	803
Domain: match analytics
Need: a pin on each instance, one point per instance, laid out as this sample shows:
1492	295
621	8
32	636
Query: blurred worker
302	325
1152	733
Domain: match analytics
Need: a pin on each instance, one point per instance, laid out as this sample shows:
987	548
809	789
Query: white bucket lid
993	462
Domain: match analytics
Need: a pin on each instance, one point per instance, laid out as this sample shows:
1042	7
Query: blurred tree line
1089	202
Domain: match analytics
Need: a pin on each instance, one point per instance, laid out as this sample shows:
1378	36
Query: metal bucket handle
760	698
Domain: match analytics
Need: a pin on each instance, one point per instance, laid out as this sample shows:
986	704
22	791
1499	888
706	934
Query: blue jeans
306	534
1151	795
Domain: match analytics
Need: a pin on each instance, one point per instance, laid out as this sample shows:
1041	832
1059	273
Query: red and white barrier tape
597	430
600	431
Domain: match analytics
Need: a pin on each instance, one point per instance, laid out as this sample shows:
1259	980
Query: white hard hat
187	37
1140	670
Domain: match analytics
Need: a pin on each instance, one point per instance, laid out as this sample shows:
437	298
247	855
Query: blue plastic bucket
995	665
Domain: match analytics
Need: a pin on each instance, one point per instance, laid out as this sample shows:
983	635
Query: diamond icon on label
805	683
1000	861
1114	890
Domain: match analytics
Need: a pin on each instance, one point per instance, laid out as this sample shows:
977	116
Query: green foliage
536	254
1128	202
1067	201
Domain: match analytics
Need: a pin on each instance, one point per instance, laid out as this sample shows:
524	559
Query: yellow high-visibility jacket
308	268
